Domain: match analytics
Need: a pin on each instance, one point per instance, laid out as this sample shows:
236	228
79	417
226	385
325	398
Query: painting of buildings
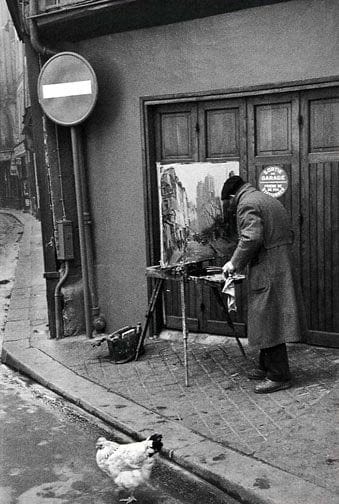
191	215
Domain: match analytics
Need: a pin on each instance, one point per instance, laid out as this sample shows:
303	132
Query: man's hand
228	269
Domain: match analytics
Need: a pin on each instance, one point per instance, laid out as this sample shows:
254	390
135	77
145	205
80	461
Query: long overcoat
275	309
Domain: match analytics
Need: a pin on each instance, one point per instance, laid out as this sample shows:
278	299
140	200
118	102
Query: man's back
275	220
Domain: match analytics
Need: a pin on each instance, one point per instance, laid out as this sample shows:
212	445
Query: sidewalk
277	448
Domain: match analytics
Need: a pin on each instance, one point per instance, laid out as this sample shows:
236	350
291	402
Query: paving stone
18	314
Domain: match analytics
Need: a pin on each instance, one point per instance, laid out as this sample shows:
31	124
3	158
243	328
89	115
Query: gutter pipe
57	297
82	239
98	318
33	32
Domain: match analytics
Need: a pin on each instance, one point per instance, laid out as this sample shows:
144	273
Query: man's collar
247	187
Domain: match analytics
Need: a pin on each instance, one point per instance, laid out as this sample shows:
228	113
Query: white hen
129	465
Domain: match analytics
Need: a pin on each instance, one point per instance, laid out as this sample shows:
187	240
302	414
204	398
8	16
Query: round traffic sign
67	88
273	180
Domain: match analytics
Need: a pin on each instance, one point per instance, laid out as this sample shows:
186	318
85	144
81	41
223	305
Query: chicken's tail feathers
156	442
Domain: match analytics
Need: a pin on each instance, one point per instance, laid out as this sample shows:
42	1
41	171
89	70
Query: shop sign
273	180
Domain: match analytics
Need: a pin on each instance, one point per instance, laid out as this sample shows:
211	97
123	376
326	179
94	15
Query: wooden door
205	131
222	137
177	141
300	133
320	214
273	140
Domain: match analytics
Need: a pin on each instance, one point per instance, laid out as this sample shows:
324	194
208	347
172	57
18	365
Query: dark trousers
274	361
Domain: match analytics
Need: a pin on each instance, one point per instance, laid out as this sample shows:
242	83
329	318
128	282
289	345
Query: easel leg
155	293
229	320
184	326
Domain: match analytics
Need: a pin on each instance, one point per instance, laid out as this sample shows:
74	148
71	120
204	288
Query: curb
12	213
240	476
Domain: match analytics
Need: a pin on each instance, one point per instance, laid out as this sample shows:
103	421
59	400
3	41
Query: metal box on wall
65	240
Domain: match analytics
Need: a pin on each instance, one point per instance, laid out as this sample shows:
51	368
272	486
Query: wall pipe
33	32
88	235
79	202
57	296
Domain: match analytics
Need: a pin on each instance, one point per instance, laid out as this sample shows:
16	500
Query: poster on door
193	226
273	180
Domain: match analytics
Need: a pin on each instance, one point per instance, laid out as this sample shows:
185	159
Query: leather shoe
256	374
267	386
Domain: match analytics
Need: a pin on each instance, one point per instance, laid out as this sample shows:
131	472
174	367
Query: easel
181	275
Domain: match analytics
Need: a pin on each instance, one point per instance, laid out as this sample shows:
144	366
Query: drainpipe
98	319
79	201
57	298
33	32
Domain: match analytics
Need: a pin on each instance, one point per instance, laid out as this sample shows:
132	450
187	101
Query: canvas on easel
191	215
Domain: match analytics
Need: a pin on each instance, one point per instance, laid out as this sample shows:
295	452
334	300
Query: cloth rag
229	290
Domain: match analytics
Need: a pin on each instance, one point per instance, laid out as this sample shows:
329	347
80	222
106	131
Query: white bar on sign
67	89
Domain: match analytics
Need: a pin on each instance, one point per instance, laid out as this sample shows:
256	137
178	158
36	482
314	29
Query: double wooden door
296	131
319	214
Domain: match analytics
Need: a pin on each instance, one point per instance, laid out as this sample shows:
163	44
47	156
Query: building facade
254	82
17	179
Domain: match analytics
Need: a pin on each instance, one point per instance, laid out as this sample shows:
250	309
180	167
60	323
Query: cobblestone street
217	426
220	403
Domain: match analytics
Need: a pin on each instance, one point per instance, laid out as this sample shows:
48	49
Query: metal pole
78	192
184	325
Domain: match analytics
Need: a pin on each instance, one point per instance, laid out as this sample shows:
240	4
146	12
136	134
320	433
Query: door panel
320	214
273	139
176	138
273	131
207	131
177	141
225	137
222	125
172	307
324	125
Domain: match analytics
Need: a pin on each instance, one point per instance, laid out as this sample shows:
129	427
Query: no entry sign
273	180
67	88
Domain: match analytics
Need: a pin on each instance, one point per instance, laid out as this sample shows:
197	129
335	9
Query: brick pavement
220	403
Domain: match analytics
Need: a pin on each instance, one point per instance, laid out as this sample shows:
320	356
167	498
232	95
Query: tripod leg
184	326
149	313
229	320
241	347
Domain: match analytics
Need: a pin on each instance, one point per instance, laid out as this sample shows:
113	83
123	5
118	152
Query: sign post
67	91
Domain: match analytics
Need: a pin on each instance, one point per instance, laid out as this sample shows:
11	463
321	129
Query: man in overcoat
275	315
